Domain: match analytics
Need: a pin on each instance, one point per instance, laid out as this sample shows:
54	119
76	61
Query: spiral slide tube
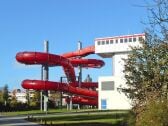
68	61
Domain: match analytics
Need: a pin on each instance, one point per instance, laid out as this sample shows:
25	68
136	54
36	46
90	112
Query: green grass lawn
52	111
104	119
33	112
83	117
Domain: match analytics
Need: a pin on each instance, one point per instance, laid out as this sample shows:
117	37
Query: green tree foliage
5	94
155	114
146	70
35	100
1	97
27	97
146	74
13	102
54	99
37	96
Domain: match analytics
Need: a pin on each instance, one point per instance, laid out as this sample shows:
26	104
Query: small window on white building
107	86
121	40
116	41
98	43
125	40
111	41
130	39
107	42
140	39
103	42
134	39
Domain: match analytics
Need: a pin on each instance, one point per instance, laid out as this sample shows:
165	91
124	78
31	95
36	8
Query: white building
21	97
117	48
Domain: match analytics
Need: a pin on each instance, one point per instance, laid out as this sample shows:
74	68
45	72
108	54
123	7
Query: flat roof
122	36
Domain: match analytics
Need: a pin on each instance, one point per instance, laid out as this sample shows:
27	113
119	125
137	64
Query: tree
146	74
55	98
35	99
1	97
146	69
158	18
155	114
5	94
1	101
27	97
13	102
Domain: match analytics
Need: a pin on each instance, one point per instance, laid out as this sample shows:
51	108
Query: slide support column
45	76
79	68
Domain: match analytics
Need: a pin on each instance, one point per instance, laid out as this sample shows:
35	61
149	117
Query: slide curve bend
68	61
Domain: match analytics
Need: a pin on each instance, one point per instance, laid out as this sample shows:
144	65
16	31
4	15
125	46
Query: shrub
155	114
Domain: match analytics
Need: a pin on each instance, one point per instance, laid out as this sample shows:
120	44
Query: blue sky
25	24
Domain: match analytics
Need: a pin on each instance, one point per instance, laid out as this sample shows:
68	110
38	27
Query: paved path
15	121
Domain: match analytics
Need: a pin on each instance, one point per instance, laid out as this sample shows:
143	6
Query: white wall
21	97
115	99
108	48
118	64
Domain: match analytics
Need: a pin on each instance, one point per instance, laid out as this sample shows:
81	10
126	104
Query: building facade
117	48
19	95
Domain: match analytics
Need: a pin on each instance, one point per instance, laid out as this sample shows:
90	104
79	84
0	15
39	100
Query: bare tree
158	18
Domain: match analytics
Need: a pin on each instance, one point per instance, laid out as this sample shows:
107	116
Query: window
140	39
121	40
116	40
107	41
103	104
134	39
98	42
125	40
130	39
107	85
111	41
103	42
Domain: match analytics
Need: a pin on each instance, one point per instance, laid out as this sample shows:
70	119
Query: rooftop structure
117	48
108	46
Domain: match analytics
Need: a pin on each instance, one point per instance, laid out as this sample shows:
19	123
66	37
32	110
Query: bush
33	105
155	114
129	120
13	103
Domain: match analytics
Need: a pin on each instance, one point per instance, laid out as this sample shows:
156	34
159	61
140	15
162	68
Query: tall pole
70	104
45	76
61	95
41	93
79	67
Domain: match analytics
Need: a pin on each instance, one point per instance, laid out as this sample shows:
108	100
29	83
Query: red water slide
68	61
